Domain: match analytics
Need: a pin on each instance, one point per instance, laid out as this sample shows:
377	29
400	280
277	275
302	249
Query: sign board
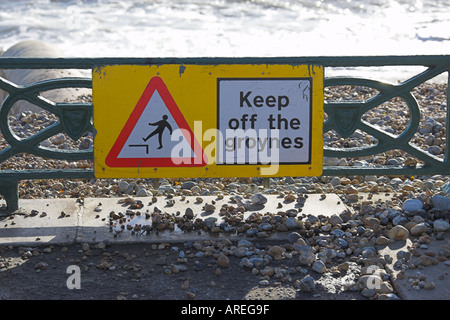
194	120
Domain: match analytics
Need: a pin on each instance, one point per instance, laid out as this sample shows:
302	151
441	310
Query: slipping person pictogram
161	126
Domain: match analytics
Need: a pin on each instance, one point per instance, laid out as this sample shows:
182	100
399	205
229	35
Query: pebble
58	139
41	266
264	282
441	225
425	260
398	233
123	186
335	220
319	266
258	199
245	262
57	186
388	296
189	213
342	243
444	251
292	223
86	143
188	185
418	229
293	237
223	261
429	286
101	245
335	181
372	223
307	284
142	193
411	162
446	188
368	293
369	252
412	205
306	258
399	220
245	243
209	207
276	252
179	268
351	190
441	202
343	267
267	271
330	161
382	240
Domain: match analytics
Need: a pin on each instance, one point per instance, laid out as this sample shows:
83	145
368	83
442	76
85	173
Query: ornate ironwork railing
342	117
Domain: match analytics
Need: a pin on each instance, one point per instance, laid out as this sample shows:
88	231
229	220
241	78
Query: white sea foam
203	28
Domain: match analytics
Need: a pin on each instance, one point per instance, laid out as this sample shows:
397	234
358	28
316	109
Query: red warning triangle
133	147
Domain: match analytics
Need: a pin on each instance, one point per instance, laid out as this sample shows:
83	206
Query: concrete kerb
65	221
40	222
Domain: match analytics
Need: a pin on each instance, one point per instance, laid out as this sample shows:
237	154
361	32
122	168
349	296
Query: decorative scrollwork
75	119
346	116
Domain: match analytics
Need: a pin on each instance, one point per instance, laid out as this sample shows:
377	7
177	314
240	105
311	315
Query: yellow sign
230	120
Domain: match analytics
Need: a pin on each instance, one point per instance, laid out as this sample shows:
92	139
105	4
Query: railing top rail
327	61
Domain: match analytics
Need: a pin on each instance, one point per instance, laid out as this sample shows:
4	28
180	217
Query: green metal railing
344	117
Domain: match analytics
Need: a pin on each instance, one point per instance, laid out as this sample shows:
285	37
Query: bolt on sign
194	120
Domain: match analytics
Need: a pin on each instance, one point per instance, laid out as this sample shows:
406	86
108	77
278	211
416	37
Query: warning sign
156	134
195	120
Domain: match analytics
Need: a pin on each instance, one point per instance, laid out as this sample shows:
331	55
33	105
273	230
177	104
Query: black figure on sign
161	126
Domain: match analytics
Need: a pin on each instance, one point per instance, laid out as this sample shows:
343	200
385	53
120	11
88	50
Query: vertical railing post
9	188
447	123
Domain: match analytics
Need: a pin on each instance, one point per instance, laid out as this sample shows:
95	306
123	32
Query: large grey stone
39	49
258	199
412	205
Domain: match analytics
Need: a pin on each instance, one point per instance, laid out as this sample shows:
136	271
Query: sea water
230	28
